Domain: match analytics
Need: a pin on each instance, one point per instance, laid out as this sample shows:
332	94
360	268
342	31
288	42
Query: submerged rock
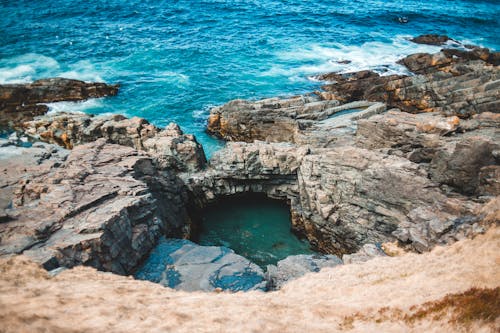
184	265
21	102
293	267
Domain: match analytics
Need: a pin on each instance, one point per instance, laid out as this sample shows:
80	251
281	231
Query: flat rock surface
184	265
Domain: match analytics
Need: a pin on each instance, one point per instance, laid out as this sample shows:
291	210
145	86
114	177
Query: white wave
26	67
32	66
318	59
75	107
82	70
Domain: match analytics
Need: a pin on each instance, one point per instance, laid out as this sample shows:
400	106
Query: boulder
432	39
293	267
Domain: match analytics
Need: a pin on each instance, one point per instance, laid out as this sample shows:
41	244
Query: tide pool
255	227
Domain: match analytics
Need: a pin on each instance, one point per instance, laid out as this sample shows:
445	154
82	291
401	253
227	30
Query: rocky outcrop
361	176
171	147
432	39
184	265
18	162
293	267
104	206
21	102
458	153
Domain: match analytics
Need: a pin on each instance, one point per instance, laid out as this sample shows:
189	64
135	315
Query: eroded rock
170	146
21	102
104	206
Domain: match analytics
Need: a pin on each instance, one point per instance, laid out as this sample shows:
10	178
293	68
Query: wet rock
184	265
21	102
170	146
432	39
293	267
104	206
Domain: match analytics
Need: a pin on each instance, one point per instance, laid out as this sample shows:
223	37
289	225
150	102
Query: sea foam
316	59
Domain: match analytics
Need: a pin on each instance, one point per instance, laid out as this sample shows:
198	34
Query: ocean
177	59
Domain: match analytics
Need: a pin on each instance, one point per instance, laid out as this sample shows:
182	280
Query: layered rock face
21	102
105	206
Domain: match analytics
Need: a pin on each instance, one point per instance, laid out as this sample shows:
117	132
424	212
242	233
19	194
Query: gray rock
171	148
184	265
293	267
104	205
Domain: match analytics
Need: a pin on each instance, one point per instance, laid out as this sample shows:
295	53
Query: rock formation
366	176
105	206
22	102
170	146
370	159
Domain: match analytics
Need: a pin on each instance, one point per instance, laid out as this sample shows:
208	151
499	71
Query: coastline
422	175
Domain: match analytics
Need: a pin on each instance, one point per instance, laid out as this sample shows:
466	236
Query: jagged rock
457	150
171	147
301	119
367	252
104	206
462	167
432	39
453	82
351	196
270	119
293	267
184	265
363	85
20	102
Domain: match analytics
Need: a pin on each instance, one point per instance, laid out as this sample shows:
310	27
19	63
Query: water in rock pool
176	59
255	227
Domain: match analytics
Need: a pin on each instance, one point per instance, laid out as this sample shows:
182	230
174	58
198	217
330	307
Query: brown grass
475	304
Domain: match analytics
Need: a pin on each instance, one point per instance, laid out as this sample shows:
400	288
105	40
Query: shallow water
176	59
254	227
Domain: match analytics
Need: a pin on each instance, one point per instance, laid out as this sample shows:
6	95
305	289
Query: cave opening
253	226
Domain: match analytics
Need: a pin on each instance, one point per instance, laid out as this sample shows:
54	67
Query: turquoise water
254	227
176	59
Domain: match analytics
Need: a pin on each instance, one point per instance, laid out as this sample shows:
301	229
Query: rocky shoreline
367	161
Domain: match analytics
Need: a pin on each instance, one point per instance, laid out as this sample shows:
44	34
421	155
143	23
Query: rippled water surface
176	59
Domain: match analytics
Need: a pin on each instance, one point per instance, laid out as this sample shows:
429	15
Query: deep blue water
176	59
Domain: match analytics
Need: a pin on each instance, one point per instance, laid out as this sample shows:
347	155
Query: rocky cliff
418	174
